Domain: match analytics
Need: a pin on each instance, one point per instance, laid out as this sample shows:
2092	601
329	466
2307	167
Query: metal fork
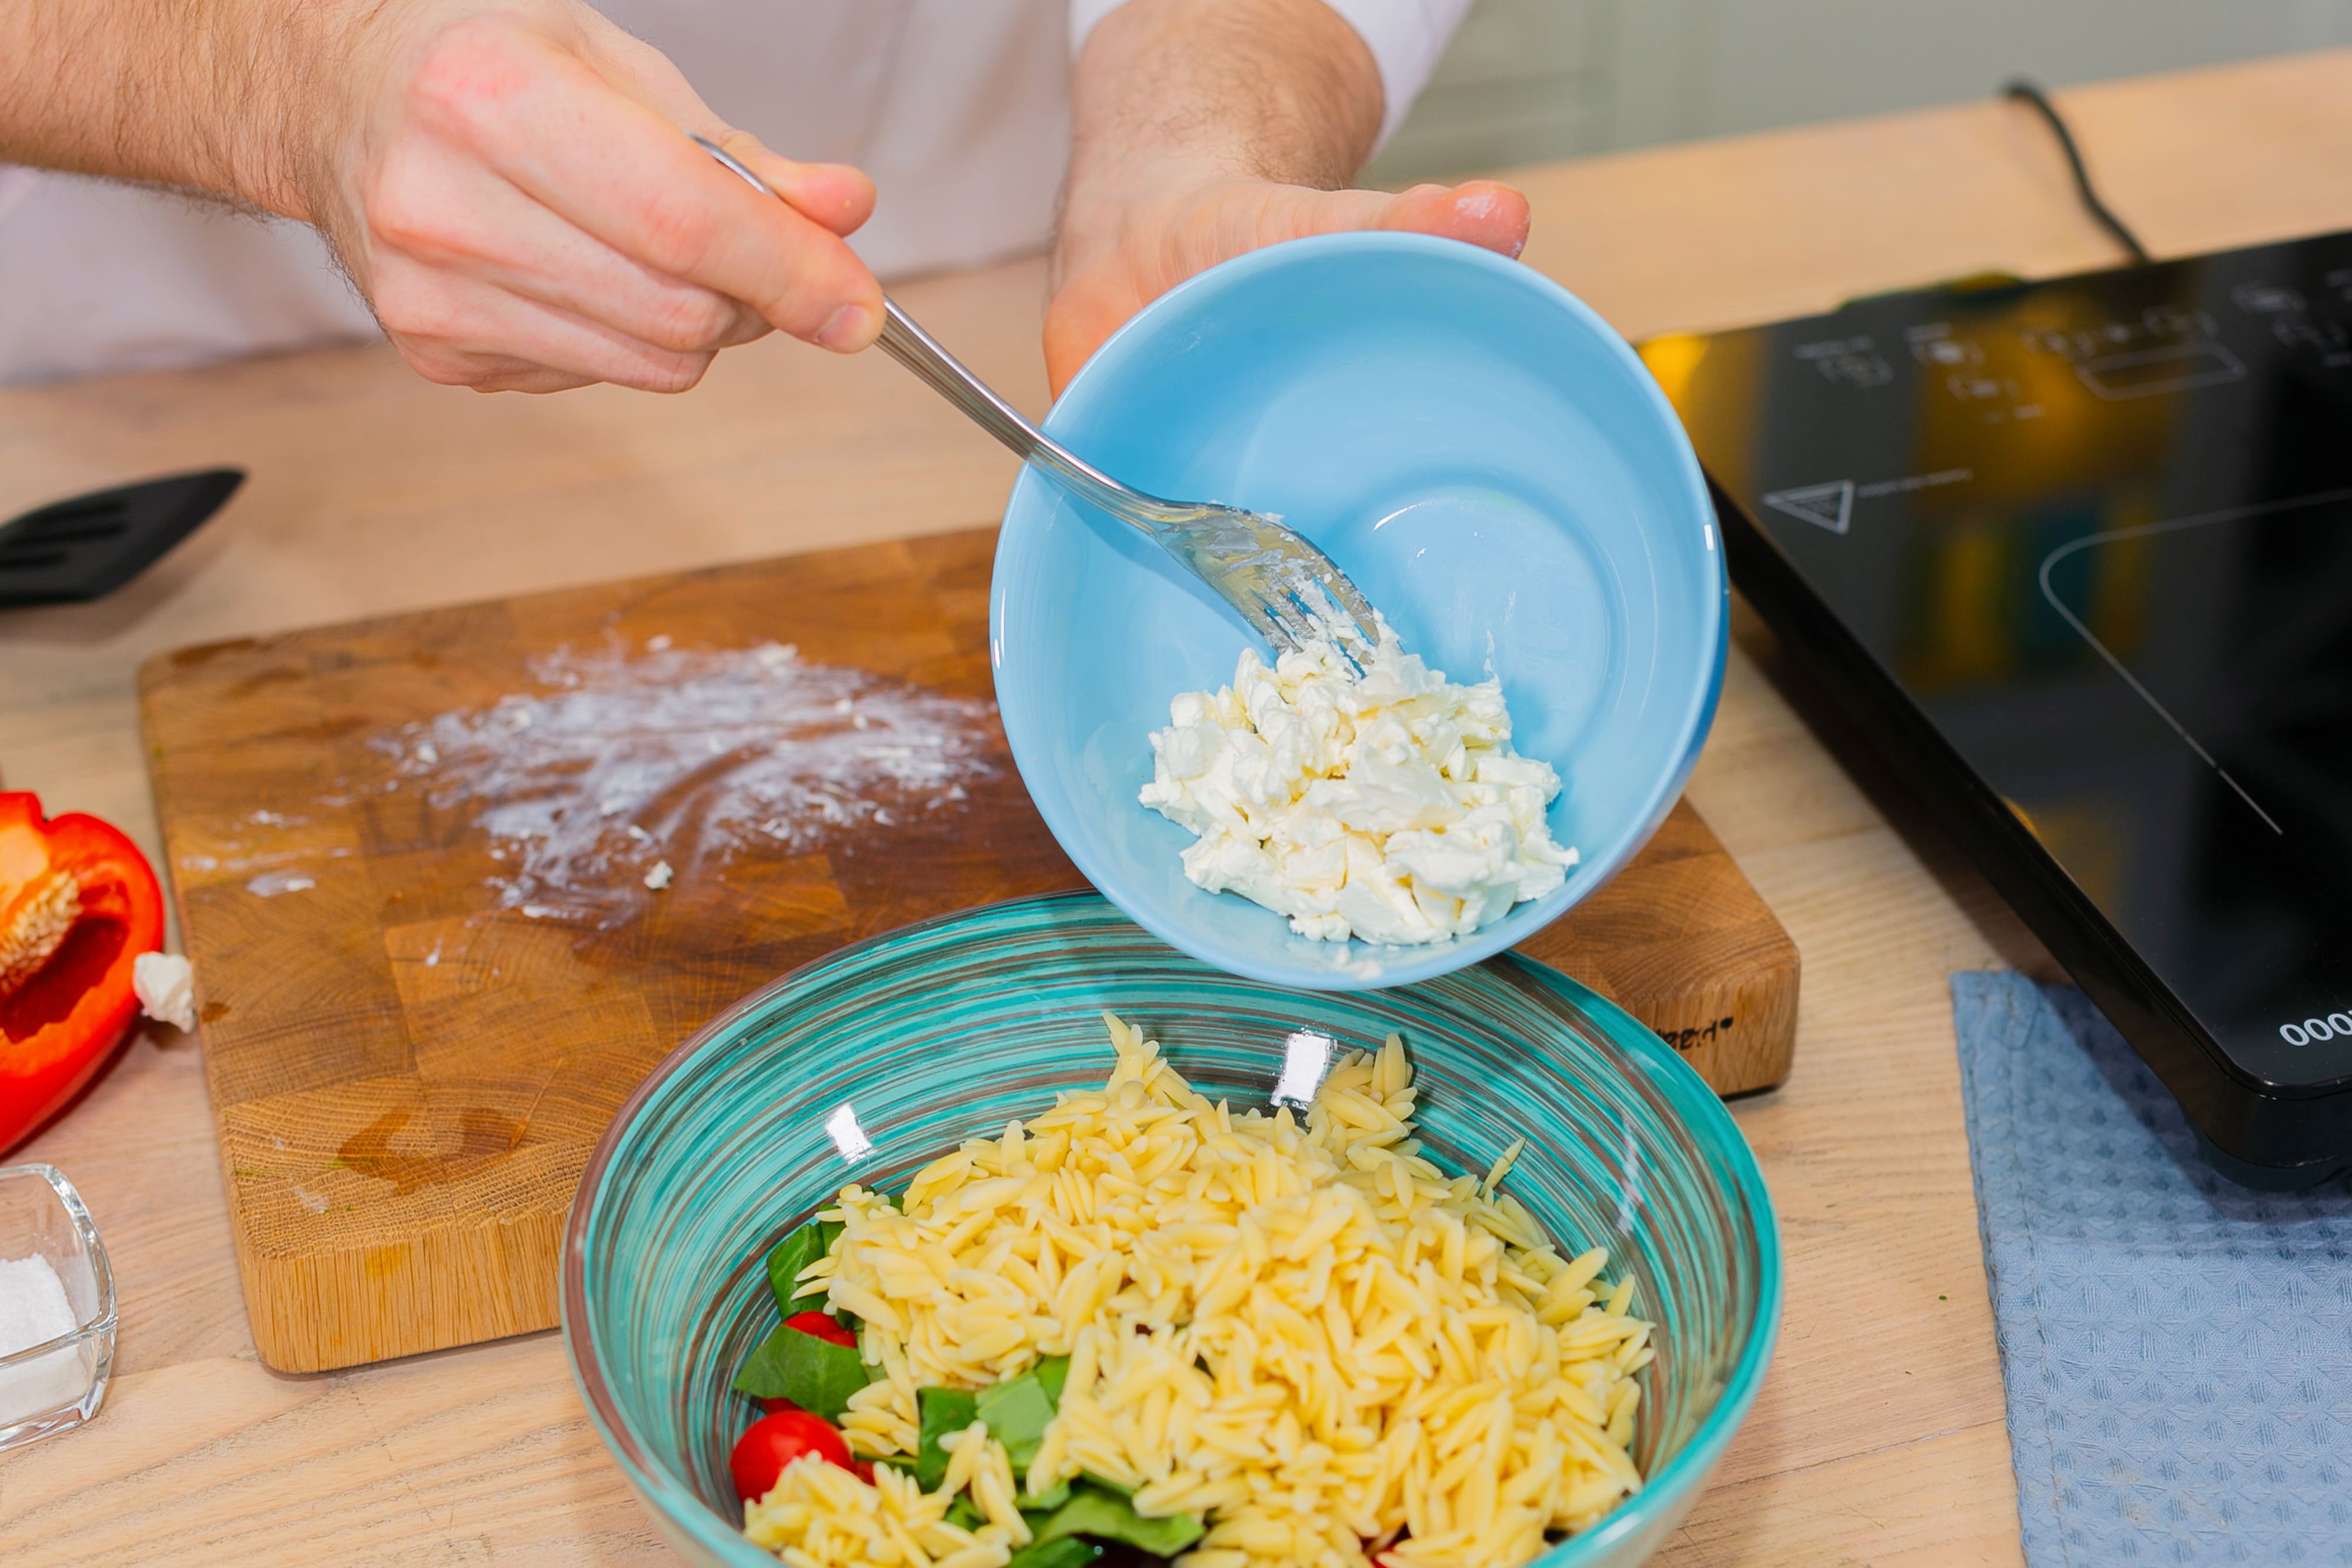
1287	589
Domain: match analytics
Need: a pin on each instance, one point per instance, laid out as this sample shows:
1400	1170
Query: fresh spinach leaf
1106	1516
1046	1501
815	1374
941	1410
964	1515
1052	1375
1017	1412
788	1257
1069	1552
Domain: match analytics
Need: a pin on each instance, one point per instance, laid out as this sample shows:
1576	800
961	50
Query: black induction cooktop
2078	556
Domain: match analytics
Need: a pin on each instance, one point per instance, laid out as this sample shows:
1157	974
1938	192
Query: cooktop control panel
2096	533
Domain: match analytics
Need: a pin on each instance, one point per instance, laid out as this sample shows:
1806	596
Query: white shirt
960	109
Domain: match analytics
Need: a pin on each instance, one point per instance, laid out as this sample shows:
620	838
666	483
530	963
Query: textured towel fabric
2178	1350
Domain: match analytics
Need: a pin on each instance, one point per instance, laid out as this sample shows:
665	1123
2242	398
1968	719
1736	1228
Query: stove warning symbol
1829	505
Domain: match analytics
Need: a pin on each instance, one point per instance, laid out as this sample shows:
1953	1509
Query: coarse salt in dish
1359	793
34	1310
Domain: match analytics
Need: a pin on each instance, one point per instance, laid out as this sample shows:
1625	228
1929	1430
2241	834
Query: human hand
1118	255
509	183
1207	128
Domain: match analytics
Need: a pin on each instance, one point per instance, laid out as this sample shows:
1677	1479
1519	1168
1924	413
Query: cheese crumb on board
166	988
658	878
1384	804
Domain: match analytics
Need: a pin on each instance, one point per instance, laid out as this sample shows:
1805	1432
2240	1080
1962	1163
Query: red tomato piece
823	1328
777	1406
772	1442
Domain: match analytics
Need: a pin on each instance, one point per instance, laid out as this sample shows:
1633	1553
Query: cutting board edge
391	1286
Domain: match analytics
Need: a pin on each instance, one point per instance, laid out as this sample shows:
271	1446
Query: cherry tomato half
774	1442
823	1328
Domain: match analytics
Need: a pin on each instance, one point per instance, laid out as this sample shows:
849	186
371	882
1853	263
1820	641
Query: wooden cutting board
419	1017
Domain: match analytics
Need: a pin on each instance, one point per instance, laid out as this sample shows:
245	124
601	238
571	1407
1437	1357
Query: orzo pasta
1232	1338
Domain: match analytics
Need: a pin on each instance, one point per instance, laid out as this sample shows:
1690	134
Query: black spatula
91	545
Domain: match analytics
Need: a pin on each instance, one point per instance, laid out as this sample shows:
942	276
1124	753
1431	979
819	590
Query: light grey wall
1525	80
1531	79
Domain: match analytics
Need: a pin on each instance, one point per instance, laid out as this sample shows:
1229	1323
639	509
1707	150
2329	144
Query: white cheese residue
1385	805
623	769
166	987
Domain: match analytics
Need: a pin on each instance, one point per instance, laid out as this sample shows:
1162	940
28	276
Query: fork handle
945	374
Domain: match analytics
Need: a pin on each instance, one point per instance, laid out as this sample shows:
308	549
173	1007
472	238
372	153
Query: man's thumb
1480	213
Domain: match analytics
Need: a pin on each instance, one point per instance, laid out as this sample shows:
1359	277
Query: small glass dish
57	1384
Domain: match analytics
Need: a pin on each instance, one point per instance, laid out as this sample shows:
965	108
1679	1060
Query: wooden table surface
1879	1438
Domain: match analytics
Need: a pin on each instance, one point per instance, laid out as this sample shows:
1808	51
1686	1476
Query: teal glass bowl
869	1063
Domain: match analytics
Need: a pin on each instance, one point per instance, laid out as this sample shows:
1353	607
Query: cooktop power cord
2026	92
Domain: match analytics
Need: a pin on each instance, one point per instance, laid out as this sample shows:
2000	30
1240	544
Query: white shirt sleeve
1406	36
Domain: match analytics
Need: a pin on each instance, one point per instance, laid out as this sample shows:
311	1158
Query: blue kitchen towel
2178	1350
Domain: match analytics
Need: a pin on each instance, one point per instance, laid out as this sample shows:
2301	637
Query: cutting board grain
408	1067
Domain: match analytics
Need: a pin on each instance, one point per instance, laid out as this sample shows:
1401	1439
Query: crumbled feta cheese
166	988
1385	805
658	878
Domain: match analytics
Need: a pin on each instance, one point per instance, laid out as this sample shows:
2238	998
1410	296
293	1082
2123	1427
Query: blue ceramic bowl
1477	449
943	1030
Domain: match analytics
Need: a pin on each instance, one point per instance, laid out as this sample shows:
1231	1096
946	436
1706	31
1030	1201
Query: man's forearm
1266	90
222	97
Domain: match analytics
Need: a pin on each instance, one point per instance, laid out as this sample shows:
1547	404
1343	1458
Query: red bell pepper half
78	903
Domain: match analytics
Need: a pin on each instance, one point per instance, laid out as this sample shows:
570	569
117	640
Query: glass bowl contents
1257	1337
56	1307
864	1066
